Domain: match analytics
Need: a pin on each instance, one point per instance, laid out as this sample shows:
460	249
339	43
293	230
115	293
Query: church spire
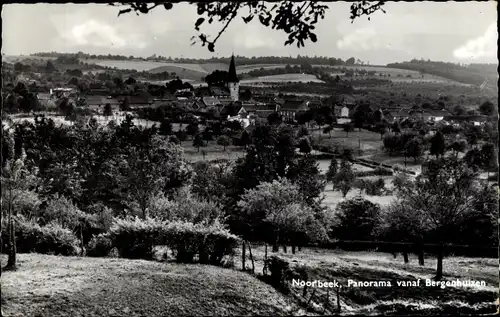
233	78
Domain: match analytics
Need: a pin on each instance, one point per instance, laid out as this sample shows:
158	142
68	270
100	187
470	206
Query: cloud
363	39
254	36
95	33
479	47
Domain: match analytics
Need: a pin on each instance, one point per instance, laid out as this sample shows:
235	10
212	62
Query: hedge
136	238
49	239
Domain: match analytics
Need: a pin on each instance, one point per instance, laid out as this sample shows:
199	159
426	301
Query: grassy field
367	141
46	285
213	151
282	78
384	158
333	198
331	265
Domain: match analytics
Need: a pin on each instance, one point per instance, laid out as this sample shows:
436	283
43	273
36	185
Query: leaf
211	47
313	37
124	11
168	6
198	23
248	18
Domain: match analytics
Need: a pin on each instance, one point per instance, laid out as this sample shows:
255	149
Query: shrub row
372	188
136	238
49	239
378	171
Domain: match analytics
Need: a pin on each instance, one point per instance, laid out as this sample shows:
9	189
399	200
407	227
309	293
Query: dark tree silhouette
296	19
217	78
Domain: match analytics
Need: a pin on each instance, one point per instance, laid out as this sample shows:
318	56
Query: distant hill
472	74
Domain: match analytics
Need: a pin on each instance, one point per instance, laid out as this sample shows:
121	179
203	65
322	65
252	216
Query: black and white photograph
249	158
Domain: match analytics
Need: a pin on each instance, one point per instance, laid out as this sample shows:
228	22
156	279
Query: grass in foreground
331	265
46	285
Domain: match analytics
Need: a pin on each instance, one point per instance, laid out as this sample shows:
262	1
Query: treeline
240	60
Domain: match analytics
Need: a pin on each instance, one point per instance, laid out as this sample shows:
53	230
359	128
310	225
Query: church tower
233	83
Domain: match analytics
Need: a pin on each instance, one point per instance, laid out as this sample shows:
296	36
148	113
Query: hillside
47	285
472	74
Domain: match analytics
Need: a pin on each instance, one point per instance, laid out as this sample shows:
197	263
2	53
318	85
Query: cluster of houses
225	102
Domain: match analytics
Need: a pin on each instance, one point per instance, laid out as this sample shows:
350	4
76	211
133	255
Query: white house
344	115
243	121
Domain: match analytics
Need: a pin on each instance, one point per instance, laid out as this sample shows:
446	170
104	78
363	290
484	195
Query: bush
374	188
136	238
357	219
49	239
100	246
210	242
62	211
280	272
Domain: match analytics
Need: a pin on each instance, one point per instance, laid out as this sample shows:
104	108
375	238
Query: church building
233	83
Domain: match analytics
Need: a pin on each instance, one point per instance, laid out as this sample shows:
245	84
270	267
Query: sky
462	32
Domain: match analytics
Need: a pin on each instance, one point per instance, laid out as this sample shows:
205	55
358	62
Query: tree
209	180
328	129
442	198
15	180
487	108
382	129
246	94
108	111
274	118
50	68
414	148
437	144
73	81
305	145
302	117
332	170
357	219
295	19
130	81
305	173
198	141
489	156
207	134
192	129
165	127
459	110
344	179
151	170
224	140
245	139
396	128
458	146
125	104
303	132
277	205
347	128
217	78
181	135
362	114
350	61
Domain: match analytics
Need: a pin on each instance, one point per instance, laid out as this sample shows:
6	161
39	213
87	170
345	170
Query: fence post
243	256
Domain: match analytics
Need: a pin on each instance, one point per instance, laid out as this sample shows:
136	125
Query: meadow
282	79
47	285
338	265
